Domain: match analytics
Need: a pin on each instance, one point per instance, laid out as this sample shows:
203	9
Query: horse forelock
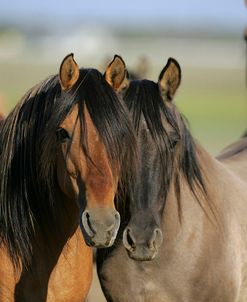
29	147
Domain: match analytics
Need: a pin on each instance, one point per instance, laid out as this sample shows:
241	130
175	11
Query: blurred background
206	37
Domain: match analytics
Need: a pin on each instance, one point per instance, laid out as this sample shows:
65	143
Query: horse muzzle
100	227
145	249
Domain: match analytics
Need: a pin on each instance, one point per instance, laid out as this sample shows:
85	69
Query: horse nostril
88	221
117	216
156	239
117	220
87	224
128	239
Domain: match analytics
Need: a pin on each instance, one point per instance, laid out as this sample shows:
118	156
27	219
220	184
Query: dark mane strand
28	154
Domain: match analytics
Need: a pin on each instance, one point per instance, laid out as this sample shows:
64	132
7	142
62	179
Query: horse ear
69	72
169	79
116	74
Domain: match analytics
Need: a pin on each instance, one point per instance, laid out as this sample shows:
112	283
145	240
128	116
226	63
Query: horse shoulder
72	275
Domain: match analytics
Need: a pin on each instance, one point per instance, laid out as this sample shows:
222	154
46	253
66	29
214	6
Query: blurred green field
215	104
214	101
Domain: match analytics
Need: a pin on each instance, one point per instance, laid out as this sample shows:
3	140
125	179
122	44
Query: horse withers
184	236
64	149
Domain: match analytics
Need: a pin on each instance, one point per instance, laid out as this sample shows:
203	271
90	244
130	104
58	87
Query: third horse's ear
169	79
116	74
69	72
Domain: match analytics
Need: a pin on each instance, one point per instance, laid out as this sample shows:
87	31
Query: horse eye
62	135
173	142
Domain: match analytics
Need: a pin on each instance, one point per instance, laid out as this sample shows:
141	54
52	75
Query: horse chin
142	255
98	244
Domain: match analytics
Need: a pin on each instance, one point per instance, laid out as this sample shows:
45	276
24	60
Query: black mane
29	147
176	146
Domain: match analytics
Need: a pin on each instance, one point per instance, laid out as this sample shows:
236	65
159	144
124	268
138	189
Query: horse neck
177	214
61	230
53	269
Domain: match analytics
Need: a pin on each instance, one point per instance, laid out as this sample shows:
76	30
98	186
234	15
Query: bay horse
65	147
184	233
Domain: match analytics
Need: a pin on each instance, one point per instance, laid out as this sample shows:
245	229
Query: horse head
91	157
158	134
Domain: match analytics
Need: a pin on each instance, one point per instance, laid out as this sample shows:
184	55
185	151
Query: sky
226	13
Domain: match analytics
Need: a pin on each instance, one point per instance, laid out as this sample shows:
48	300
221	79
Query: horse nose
87	224
128	239
141	247
156	239
101	229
